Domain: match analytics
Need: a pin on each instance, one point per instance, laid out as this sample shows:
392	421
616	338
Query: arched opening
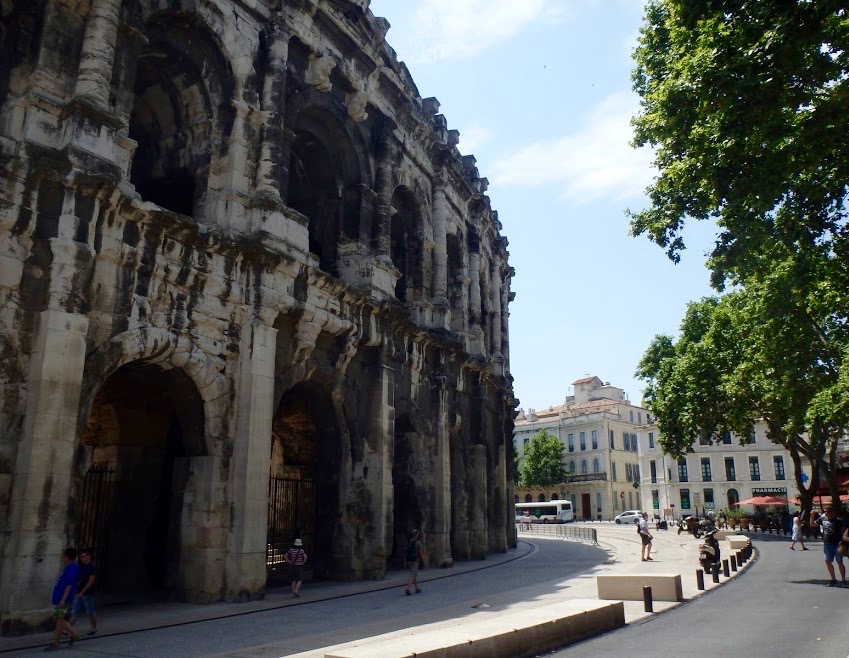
324	180
145	426
554	496
406	247
411	501
595	465
516	498
583	467
541	498
733	498
304	485
529	498
182	101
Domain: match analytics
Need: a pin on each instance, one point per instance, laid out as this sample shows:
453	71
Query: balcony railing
586	477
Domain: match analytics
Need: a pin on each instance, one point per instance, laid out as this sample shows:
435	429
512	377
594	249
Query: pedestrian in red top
296	557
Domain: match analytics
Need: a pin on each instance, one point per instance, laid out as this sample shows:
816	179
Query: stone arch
168	350
529	498
408	246
456	257
306	457
326	173
144	437
182	113
541	498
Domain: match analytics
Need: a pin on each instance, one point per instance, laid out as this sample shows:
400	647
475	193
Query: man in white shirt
645	536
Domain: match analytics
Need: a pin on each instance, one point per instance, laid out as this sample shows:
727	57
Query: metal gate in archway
95	507
291	515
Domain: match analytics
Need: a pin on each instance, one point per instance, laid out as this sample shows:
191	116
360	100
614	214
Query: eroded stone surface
238	250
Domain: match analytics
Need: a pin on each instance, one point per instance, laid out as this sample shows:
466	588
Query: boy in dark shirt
832	533
85	591
63	596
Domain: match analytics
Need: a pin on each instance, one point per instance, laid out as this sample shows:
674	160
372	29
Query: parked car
629	516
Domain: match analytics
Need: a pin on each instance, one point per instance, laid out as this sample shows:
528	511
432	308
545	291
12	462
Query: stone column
441	210
505	323
38	516
273	105
478	536
98	52
383	187
495	296
475	331
245	564
442	485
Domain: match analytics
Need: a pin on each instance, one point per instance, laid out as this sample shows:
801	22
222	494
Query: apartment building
599	429
713	476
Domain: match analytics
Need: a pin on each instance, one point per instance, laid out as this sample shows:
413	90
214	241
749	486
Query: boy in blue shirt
63	596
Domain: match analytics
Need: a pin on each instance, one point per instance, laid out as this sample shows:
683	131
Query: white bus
555	511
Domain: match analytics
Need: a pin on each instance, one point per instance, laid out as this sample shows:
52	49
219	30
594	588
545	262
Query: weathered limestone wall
247	208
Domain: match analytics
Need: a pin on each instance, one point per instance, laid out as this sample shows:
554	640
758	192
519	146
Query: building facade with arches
251	291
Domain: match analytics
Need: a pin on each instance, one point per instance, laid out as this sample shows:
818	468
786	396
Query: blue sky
540	91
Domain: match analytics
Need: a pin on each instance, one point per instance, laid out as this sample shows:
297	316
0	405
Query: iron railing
562	531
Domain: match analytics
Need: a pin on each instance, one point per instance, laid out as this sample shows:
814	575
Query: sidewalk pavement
671	554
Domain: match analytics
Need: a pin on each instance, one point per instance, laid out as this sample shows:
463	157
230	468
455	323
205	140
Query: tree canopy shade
744	102
741	358
543	463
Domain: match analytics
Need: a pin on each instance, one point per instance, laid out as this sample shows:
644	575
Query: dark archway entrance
181	98
145	425
304	484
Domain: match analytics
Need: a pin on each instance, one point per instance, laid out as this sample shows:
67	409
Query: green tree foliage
543	462
744	103
739	359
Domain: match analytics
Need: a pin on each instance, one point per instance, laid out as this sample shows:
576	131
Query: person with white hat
296	556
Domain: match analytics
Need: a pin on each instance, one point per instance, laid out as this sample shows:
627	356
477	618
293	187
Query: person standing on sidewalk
296	557
797	533
645	536
832	532
63	596
85	592
413	553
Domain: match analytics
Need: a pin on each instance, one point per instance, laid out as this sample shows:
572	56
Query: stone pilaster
475	331
245	564
38	516
381	448
495	303
478	535
441	541
273	102
98	53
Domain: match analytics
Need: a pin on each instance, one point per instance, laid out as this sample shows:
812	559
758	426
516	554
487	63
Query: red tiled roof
585	380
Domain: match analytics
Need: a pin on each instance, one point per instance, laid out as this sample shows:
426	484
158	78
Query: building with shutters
599	429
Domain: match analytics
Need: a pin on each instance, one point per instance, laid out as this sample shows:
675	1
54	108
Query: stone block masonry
249	292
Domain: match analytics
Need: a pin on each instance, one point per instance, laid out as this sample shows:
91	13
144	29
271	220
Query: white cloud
447	29
473	137
592	162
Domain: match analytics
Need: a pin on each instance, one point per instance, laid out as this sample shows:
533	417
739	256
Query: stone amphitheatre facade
249	291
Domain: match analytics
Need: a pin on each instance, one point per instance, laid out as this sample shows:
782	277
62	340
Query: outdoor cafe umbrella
819	500
764	500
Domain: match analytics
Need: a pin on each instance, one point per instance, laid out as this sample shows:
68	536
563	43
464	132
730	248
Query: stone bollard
647	600
725	570
733	563
700	579
715	573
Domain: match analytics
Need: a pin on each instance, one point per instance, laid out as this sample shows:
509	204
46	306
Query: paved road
313	625
780	607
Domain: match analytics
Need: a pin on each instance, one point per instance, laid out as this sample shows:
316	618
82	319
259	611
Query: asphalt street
780	607
313	625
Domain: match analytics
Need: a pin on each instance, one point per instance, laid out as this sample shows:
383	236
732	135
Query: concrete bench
526	632
629	587
738	542
725	534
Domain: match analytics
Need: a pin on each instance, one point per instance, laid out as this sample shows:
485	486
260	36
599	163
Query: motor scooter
709	552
